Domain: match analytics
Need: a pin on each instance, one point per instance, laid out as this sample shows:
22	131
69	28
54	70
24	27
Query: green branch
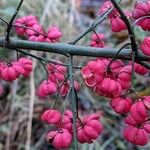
72	98
67	49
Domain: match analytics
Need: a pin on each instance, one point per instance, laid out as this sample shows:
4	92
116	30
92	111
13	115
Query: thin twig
25	27
72	99
4	21
114	57
129	28
44	59
11	22
58	92
132	75
132	39
97	35
44	69
94	24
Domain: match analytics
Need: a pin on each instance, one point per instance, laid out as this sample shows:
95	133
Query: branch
96	22
4	21
129	27
43	59
114	57
67	49
25	27
11	21
72	99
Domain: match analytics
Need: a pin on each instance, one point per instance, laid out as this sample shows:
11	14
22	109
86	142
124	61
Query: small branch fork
9	25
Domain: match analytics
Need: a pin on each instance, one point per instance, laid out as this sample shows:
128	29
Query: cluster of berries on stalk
13	70
116	22
138	124
30	27
112	78
56	82
88	128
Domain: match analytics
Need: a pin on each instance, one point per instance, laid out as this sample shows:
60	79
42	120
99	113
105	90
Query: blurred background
18	101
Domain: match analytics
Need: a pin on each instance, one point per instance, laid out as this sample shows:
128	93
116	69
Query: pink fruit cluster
56	72
56	81
138	124
46	88
13	70
142	8
112	80
140	69
30	27
97	40
121	105
145	46
109	82
137	120
88	129
117	24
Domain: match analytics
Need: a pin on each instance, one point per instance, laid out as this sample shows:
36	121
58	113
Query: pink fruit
53	35
105	7
146	101
135	135
145	46
37	34
110	88
51	116
27	21
146	127
97	40
124	77
60	139
121	105
130	120
9	74
46	88
56	72
26	63
117	24
142	8
138	112
65	88
140	69
82	137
